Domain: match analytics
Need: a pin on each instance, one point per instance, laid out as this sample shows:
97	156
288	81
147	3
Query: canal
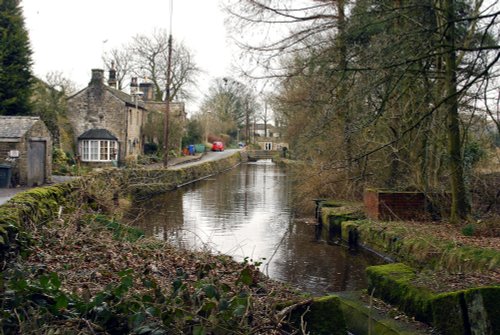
246	213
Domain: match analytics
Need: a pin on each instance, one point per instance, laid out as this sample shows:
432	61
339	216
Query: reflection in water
246	213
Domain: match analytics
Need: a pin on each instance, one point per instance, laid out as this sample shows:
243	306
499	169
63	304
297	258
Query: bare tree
61	83
272	29
119	59
146	57
150	62
265	115
232	103
384	83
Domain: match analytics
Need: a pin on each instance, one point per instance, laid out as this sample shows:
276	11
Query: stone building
156	112
26	146
154	124
107	123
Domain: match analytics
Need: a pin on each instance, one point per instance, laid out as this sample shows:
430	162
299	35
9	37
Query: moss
25	209
392	283
473	311
332	218
411	246
120	231
346	227
40	204
484	309
323	316
447	313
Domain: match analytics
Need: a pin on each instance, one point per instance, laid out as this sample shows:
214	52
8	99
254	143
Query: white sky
68	35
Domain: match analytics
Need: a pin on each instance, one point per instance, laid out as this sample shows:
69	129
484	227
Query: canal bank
68	234
463	301
35	218
245	213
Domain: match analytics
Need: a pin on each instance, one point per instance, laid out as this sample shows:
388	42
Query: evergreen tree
15	61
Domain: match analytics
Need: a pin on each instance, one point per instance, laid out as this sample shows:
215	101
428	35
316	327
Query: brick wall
387	205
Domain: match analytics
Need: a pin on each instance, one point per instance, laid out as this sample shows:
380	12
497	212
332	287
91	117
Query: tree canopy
15	61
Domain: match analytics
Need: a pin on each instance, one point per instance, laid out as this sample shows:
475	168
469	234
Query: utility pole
166	119
167	104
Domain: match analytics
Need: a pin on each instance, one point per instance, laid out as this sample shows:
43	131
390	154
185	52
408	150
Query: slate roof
126	98
97	134
16	127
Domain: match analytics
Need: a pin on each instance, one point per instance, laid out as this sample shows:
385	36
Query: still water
246	212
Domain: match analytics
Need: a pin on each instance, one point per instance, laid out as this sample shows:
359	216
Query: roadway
209	156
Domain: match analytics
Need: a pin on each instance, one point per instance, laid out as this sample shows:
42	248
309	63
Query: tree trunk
459	207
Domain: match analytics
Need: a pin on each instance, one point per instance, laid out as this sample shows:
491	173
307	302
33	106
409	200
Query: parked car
217	146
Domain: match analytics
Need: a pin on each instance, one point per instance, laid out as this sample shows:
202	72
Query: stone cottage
26	146
107	123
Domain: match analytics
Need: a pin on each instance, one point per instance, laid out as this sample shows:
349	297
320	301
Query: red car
217	146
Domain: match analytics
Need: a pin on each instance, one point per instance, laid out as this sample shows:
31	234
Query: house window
98	150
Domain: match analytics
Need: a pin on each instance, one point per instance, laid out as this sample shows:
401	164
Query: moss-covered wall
402	242
322	316
28	210
473	311
333	216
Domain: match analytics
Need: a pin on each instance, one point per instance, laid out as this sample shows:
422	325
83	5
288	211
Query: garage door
36	163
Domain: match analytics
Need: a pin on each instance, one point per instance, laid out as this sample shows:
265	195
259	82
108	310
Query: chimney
147	90
133	85
112	75
97	77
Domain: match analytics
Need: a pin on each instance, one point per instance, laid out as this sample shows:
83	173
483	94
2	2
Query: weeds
86	276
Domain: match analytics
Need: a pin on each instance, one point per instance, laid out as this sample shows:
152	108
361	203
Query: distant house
107	123
262	130
268	137
26	146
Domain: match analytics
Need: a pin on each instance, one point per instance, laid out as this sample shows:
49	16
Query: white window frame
90	150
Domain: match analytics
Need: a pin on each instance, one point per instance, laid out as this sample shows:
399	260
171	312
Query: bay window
98	150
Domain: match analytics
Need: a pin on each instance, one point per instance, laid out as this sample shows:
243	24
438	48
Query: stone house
26	146
107	123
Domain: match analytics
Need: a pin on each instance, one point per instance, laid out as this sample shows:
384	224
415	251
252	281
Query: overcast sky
70	35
